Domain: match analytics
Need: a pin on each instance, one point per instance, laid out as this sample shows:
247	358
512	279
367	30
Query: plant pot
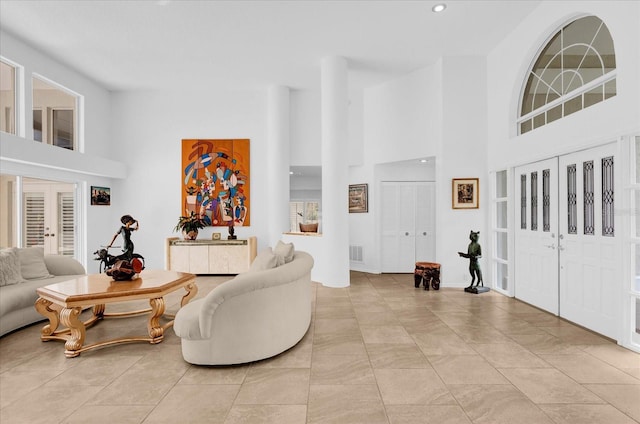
190	235
309	228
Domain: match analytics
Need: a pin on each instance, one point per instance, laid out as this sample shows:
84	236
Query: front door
536	231
590	262
567	258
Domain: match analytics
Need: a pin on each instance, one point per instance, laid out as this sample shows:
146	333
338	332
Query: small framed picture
215	236
465	193
100	196
358	202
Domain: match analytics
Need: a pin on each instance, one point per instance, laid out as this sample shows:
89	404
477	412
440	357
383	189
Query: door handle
550	246
406	234
424	233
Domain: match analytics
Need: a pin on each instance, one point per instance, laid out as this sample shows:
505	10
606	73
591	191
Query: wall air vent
355	253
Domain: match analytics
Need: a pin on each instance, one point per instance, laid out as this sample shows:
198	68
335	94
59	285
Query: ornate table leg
69	317
192	291
98	311
43	307
156	331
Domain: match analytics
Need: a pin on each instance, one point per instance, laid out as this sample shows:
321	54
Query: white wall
507	68
97	108
401	118
20	155
151	126
463	154
437	112
460	111
305	128
401	122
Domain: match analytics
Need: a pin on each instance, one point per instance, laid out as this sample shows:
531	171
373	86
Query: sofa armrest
250	282
63	265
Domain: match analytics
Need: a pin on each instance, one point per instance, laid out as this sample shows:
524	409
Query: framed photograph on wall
358	202
100	196
465	193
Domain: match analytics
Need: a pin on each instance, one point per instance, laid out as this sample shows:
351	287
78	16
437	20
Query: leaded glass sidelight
546	200
534	201
588	196
608	227
523	201
572	209
574	70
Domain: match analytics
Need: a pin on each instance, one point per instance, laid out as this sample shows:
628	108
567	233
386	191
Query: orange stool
427	273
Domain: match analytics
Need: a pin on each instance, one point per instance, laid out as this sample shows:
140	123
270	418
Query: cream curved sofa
36	270
255	315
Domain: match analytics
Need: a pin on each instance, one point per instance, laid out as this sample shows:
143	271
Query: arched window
576	69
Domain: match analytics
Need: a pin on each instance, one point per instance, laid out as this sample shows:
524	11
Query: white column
278	159
335	170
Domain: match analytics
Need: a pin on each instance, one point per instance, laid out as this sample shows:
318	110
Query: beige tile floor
379	351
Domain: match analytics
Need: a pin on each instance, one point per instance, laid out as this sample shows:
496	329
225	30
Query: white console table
210	256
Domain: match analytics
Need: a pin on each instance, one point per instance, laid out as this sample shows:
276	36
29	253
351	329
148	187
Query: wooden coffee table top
100	288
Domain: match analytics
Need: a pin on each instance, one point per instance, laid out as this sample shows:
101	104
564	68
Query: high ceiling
178	44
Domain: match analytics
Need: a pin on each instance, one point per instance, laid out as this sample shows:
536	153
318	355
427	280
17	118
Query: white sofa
22	271
256	315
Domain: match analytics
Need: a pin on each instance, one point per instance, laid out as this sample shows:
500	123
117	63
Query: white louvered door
48	216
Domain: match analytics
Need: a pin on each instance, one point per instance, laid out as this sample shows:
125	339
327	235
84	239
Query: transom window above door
575	69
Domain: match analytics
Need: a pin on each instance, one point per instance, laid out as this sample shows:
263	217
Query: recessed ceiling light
439	7
423	161
290	172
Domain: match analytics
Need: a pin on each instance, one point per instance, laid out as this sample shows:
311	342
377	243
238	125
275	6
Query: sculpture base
232	237
476	290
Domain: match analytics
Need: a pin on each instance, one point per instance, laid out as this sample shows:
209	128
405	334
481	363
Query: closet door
408	225
425	222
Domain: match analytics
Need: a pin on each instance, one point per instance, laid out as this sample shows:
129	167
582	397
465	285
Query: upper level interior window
54	115
7	98
575	70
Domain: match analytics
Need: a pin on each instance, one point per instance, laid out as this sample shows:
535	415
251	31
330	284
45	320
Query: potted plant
189	225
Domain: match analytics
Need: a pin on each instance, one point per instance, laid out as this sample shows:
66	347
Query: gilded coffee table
63	303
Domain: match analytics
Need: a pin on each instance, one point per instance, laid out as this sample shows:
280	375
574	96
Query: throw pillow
285	250
264	260
9	267
32	266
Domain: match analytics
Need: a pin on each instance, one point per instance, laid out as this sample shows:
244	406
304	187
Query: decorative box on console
210	256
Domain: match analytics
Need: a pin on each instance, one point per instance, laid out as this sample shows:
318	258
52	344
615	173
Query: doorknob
406	234
424	233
